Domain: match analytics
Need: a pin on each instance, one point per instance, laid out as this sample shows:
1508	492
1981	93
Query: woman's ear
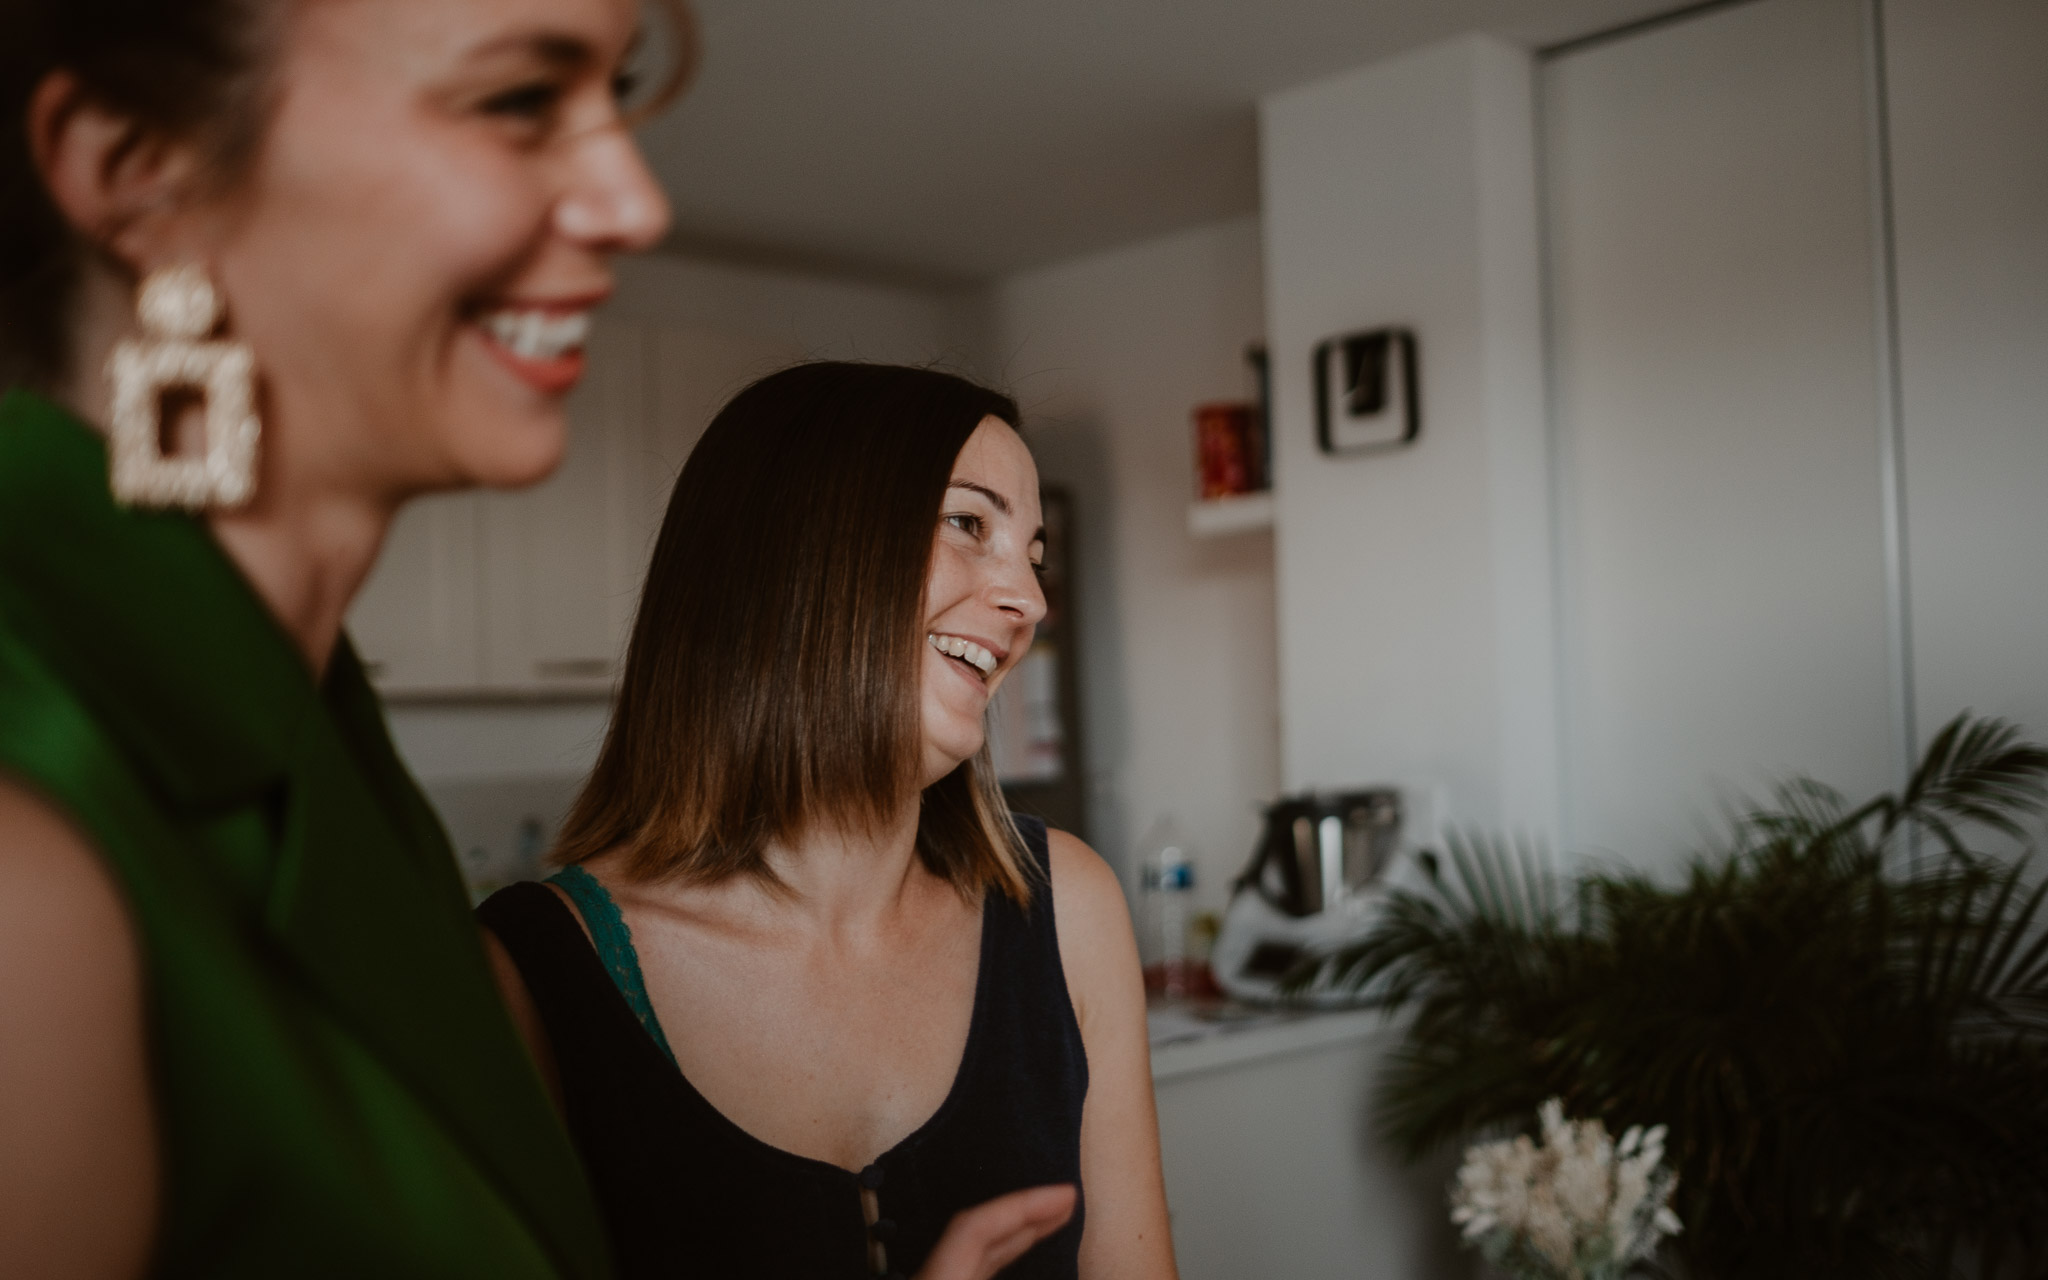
116	182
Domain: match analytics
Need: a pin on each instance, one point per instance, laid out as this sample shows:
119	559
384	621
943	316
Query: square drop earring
179	309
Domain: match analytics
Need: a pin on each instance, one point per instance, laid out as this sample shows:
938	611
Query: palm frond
1495	898
1849	1046
1978	771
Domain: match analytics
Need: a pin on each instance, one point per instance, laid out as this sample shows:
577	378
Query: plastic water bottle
1167	882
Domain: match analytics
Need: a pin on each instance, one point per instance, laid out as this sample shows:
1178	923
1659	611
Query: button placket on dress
881	1230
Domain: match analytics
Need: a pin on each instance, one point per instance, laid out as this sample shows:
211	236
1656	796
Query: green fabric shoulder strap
614	943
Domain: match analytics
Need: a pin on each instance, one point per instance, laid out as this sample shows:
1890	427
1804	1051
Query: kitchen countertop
1190	1037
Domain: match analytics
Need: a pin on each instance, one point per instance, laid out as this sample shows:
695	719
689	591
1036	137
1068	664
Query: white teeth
538	335
966	650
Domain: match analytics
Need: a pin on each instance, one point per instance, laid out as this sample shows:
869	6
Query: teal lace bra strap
614	946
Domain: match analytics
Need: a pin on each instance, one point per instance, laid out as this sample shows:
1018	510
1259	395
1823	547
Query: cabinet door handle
573	668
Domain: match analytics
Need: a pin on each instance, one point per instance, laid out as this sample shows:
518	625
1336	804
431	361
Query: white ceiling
958	140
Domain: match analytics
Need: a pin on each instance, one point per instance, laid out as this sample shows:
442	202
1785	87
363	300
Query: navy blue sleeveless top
688	1193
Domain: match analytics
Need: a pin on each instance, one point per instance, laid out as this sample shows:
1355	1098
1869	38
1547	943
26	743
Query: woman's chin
941	759
513	449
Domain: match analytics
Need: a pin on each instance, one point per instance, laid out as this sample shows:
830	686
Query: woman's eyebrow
553	49
996	500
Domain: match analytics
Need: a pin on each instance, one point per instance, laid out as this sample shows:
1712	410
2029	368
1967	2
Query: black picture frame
1370	356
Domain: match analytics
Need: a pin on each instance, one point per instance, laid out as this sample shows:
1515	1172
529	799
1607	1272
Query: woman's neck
306	543
850	878
306	553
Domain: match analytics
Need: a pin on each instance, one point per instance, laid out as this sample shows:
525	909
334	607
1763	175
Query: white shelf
1221	516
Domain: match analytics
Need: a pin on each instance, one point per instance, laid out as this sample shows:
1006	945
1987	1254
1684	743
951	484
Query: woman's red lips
541	345
554	377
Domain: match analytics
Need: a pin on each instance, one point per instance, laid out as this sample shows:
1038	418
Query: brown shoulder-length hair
772	679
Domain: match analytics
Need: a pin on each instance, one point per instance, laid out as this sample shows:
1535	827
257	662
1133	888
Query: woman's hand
983	1240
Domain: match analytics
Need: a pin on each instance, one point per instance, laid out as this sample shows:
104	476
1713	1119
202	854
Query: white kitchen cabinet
532	593
562	561
1272	1165
418	622
693	373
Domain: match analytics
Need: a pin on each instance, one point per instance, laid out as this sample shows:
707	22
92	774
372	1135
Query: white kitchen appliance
1315	882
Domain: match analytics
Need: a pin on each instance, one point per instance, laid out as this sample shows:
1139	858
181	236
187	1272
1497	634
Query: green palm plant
1841	1013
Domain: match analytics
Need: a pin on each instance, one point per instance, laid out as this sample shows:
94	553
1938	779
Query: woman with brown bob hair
270	269
806	988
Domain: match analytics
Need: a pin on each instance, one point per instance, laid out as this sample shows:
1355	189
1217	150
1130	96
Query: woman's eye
533	102
969	524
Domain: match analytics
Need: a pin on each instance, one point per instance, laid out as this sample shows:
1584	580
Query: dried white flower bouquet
1577	1207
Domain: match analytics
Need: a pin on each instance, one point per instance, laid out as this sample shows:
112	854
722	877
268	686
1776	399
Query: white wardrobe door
1715	374
1969	118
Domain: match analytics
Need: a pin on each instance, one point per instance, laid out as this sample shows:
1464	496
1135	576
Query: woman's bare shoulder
1097	948
77	1078
1084	886
47	861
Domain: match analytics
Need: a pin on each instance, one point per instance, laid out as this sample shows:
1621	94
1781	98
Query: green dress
339	1091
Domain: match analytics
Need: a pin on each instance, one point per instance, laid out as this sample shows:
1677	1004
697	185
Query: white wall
1969	123
1108	355
1414	586
1415	589
750	320
463	742
819	317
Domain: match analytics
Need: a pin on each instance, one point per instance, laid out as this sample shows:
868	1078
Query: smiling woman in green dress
246	1025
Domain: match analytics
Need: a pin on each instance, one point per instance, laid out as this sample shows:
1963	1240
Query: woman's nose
1018	593
612	202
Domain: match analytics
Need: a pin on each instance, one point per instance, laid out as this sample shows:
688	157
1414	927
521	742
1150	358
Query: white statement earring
179	309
